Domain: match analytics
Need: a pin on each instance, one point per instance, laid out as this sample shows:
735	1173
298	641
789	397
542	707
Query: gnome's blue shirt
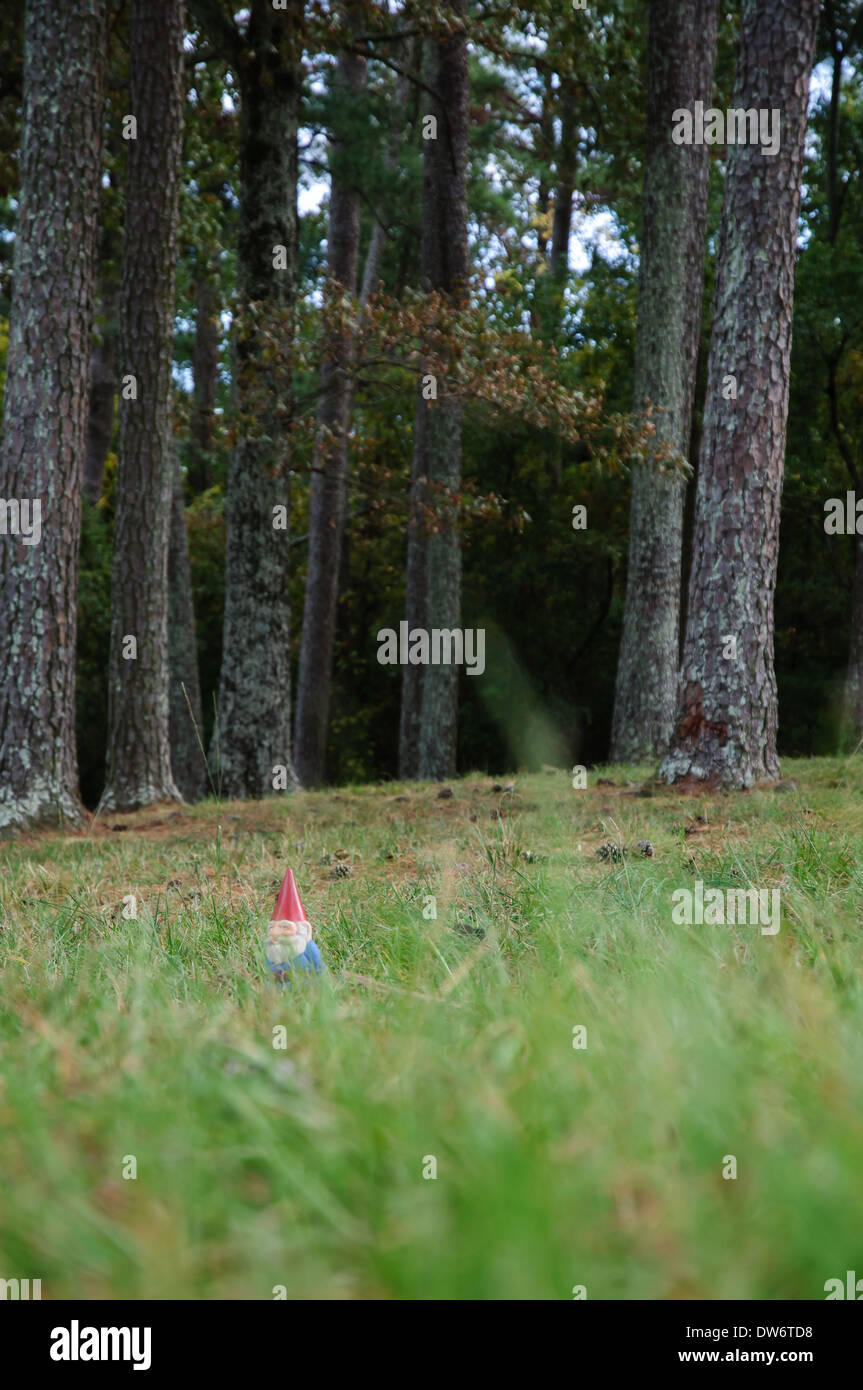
309	959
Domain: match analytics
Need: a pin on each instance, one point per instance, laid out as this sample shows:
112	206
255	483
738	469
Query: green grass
260	1166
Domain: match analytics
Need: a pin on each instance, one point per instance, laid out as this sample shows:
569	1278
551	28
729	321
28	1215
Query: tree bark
103	375
45	412
543	147
253	730
428	731
184	695
138	760
416	599
567	157
852	696
834	202
328	518
416	567
205	374
681	54
404	54
328	493
851	728
852	711
727	713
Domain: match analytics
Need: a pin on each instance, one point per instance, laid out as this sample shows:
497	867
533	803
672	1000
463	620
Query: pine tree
428	729
253	731
138	760
681	51
45	408
328	495
727	710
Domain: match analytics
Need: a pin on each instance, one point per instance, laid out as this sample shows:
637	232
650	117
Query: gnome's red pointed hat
288	906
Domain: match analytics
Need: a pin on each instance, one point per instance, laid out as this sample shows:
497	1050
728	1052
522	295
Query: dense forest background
556	139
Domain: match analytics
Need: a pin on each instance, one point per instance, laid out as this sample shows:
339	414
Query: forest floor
153	1044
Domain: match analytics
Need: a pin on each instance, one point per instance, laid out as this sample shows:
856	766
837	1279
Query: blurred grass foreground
518	1078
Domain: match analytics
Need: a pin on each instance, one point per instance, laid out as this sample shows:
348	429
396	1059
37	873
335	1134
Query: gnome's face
285	940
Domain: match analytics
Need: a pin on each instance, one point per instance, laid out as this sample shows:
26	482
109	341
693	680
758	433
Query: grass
149	1042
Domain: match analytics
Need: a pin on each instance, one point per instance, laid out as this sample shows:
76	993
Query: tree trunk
681	53
428	729
727	716
328	493
852	696
313	699
439	711
405	55
416	568
852	712
834	208
567	156
327	518
45	412
103	375
205	374
851	731
138	761
252	738
416	599
543	148
184	696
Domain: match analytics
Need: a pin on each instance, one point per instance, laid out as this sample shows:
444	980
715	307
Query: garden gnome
289	935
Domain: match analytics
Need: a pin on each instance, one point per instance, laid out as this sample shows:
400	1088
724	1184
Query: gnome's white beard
286	940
